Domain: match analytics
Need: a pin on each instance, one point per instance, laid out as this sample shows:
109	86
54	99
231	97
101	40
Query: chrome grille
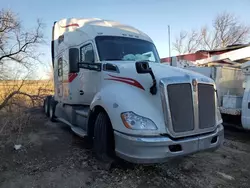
181	107
188	109
206	96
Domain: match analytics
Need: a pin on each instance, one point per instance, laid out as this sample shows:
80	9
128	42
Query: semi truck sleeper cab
111	87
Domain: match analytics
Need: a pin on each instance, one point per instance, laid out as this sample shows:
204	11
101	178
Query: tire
44	109
46	106
52	107
103	138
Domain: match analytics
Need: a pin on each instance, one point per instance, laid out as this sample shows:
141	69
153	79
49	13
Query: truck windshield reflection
114	48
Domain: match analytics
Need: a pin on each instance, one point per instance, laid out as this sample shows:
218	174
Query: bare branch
178	44
16	44
12	94
18	56
226	30
187	42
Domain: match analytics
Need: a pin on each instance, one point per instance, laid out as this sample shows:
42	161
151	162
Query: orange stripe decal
72	76
129	81
70	25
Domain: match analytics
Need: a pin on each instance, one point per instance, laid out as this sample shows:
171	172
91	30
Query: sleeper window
60	73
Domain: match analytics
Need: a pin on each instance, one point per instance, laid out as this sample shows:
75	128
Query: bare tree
226	30
18	48
179	44
187	42
49	70
16	44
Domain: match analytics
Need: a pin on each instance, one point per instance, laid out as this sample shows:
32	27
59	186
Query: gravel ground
52	156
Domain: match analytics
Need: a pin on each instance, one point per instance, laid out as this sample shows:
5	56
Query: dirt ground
52	156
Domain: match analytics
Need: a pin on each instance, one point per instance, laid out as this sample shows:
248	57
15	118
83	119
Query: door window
87	54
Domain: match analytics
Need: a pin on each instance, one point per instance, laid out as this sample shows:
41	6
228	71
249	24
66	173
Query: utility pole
169	48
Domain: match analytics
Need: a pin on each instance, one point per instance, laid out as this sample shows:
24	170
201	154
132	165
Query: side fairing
61	69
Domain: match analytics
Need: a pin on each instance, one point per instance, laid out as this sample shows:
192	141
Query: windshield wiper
146	61
113	59
117	59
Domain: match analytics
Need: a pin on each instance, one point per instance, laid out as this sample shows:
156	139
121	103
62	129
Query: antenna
169	52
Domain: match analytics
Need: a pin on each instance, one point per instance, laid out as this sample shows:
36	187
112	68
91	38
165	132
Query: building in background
191	59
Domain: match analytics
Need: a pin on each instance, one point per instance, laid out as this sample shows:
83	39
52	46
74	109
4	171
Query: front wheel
103	138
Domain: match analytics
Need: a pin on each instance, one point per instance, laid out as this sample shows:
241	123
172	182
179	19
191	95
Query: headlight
136	122
219	118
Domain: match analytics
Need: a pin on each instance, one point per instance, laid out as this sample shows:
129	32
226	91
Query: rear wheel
103	138
52	107
47	105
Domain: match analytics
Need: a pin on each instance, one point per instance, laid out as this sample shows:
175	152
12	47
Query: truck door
89	79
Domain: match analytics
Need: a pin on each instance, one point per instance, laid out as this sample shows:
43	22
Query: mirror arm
87	65
142	67
153	88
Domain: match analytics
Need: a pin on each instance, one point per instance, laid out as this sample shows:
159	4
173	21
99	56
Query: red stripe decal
70	25
72	76
129	81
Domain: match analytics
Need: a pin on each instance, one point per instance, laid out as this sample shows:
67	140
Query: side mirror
142	67
73	60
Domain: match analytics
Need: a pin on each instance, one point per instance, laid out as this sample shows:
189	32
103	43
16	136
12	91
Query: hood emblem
194	83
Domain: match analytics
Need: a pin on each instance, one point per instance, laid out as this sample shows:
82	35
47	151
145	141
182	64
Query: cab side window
87	54
60	67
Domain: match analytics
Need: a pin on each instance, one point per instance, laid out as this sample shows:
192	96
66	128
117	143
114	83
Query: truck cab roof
92	27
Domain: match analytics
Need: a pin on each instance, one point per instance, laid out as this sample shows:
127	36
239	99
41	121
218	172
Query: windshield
126	49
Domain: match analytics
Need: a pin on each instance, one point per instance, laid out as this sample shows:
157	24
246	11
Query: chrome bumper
159	149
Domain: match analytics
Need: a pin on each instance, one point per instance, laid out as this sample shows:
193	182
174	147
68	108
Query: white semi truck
111	87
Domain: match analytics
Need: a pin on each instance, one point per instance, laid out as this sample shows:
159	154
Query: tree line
226	29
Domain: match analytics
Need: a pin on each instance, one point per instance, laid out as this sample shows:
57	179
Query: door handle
81	92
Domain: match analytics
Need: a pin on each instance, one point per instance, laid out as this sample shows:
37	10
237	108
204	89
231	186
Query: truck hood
127	69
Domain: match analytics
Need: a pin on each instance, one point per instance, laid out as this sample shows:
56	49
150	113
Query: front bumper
137	149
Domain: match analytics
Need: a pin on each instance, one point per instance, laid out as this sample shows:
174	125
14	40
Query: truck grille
188	110
206	105
181	107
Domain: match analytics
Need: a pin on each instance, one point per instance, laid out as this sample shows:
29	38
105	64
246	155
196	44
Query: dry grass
38	89
12	125
14	117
